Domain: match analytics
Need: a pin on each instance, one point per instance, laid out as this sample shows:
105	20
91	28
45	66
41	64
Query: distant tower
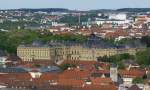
89	22
114	73
79	19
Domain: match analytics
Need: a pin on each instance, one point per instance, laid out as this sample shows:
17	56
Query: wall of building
34	53
68	53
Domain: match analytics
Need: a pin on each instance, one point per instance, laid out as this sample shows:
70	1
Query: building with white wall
102	21
120	16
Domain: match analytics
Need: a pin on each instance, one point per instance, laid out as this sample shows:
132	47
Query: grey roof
97	42
134	87
34	46
12	70
53	69
92	42
50	69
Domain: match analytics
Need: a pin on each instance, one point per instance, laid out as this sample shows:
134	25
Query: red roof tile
74	74
131	73
71	82
101	81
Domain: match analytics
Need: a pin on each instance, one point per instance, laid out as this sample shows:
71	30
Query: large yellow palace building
57	53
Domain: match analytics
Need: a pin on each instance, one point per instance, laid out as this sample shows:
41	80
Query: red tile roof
132	73
74	74
101	81
100	87
71	82
49	76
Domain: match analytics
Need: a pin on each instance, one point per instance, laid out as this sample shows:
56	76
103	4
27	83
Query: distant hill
122	10
102	10
95	11
42	9
134	10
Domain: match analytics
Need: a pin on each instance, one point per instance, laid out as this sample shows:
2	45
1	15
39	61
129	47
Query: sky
74	4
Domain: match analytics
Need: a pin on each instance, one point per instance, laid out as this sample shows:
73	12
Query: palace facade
57	53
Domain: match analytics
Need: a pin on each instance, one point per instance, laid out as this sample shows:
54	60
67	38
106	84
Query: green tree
37	65
138	80
66	66
121	65
9	41
146	40
143	57
115	58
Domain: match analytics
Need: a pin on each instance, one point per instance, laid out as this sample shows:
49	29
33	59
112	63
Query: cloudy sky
74	4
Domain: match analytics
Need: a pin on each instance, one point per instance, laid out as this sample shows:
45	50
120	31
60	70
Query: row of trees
8	25
9	41
146	40
141	57
76	38
117	59
114	58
